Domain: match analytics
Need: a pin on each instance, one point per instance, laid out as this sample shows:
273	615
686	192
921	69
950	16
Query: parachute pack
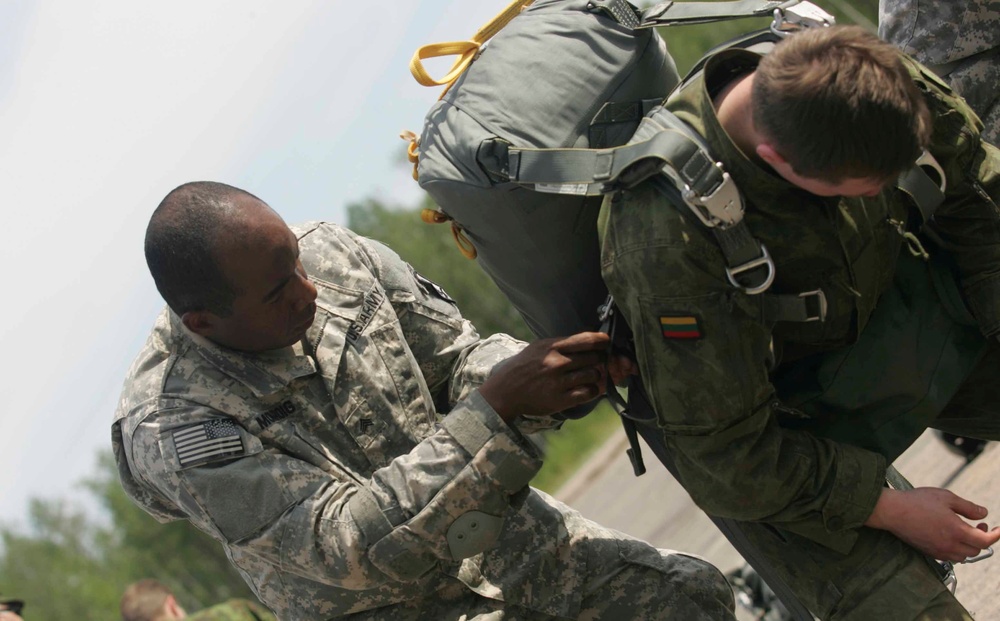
516	151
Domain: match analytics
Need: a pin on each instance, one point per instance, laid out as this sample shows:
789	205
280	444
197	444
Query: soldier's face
275	301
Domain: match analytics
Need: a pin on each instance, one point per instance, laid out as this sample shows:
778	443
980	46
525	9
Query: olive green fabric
882	392
731	432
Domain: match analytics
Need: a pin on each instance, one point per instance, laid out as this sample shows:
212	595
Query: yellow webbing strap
433	216
465	50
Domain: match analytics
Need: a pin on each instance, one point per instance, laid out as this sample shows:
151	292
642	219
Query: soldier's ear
200	322
172	609
767	152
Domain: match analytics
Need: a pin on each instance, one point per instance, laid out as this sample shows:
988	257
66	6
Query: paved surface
656	508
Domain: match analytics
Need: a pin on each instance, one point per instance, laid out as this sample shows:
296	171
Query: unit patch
432	288
207	442
278	412
680	327
373	299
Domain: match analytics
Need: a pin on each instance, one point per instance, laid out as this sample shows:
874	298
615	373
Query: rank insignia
680	327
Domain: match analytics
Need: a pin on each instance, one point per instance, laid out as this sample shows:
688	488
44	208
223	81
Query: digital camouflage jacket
326	470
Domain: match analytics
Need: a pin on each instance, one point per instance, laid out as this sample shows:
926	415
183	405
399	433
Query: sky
105	106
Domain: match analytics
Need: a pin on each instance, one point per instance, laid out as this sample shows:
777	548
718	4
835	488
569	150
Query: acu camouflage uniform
339	492
806	484
233	610
960	41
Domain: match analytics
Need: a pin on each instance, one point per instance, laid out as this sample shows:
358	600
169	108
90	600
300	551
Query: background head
836	104
149	600
229	266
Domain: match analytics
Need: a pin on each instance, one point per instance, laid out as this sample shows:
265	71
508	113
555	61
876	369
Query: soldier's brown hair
838	103
144	600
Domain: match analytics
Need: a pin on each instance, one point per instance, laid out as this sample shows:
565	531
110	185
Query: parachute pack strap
588	171
465	50
804	307
670	13
925	184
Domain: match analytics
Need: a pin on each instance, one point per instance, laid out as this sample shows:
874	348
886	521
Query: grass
567	448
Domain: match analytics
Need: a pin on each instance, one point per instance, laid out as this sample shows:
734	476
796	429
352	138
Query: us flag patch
208	441
681	327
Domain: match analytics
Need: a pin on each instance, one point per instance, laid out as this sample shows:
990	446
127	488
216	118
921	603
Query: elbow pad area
473	532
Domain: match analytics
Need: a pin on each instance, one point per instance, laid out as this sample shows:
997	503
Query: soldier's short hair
181	244
839	103
144	600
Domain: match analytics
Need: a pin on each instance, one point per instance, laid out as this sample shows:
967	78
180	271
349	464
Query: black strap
608	316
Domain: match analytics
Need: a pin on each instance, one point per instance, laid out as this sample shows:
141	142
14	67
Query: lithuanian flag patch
680	327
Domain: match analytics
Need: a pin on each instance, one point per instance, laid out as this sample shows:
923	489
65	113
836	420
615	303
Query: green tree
69	565
431	250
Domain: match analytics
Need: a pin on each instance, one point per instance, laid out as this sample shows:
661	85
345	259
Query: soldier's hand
621	367
930	520
549	375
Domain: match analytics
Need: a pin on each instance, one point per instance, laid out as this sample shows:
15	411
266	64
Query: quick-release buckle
723	207
797	16
821	306
764	260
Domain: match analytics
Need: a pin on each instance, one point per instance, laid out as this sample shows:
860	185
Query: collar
693	104
264	373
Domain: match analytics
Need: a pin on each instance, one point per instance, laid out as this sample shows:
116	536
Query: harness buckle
821	306
722	207
950	580
763	260
790	19
605	310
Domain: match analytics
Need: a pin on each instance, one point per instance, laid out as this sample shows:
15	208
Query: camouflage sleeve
443	501
936	33
968	223
453	358
703	353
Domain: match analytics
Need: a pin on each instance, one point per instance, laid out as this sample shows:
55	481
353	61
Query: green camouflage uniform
233	610
707	357
959	40
339	492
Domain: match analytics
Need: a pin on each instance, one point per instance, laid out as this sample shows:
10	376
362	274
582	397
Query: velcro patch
208	441
680	327
432	288
373	299
278	412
